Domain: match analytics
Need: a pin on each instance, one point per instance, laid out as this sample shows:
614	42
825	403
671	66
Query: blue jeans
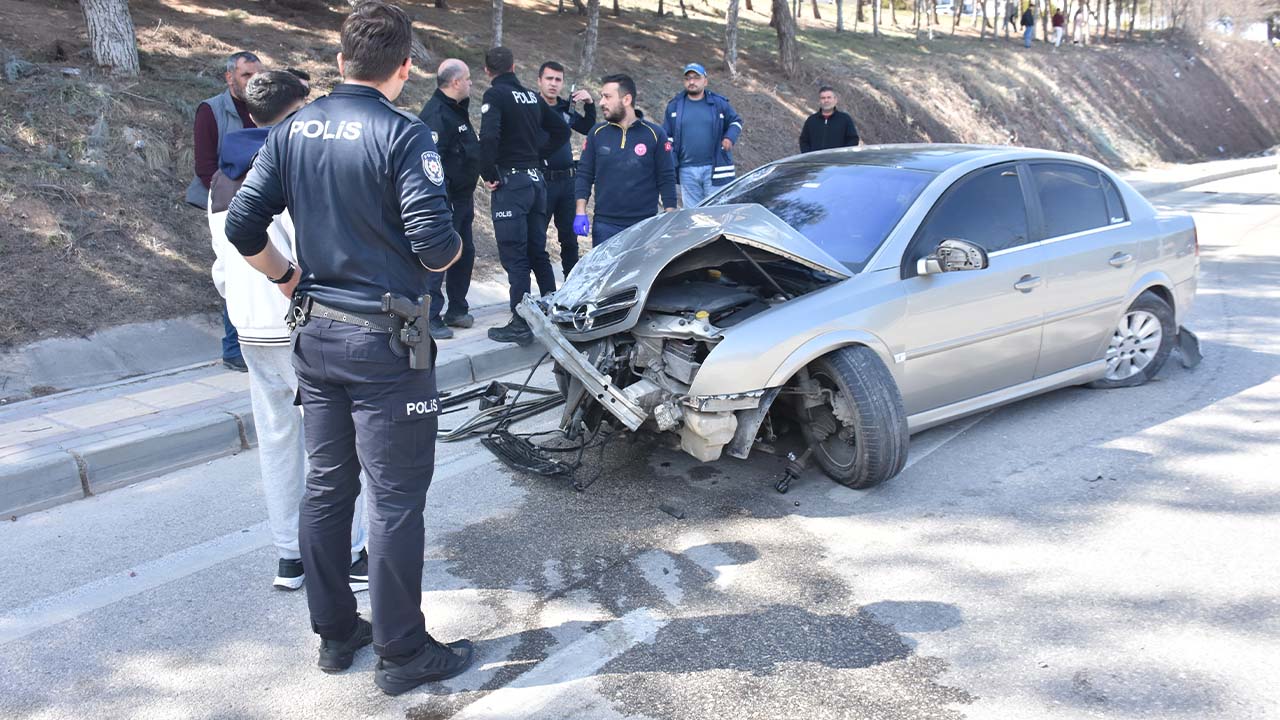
230	338
1028	33
695	184
602	231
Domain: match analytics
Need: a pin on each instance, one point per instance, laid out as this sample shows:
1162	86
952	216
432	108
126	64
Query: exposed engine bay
693	302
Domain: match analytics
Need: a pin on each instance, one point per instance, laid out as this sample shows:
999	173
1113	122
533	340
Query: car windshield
847	210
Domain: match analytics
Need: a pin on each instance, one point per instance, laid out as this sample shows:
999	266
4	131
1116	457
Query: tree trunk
616	9
982	34
893	13
839	15
858	15
593	35
875	18
560	8
1106	18
955	15
683	13
816	15
1133	19
442	5
660	10
731	39
749	8
783	22
497	23
577	5
111	34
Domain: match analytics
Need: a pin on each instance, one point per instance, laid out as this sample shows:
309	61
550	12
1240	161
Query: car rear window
847	210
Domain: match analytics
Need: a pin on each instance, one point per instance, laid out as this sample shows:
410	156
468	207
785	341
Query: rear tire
1140	343
869	442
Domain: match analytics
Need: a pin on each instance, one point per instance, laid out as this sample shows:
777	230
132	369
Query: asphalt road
1081	554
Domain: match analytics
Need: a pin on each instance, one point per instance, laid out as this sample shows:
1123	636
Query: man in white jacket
257	309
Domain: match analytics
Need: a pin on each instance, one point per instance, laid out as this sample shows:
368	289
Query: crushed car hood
618	274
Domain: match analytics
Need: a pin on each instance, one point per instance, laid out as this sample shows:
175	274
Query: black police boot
517	331
337	655
433	662
439	330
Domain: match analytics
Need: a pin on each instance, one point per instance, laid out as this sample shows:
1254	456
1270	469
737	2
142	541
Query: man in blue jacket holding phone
703	128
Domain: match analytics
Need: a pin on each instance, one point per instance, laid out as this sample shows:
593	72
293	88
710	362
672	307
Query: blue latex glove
581	225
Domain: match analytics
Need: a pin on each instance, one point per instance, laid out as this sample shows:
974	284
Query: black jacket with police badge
518	129
364	185
455	136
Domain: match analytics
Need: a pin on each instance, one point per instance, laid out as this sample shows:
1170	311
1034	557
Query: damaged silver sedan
849	298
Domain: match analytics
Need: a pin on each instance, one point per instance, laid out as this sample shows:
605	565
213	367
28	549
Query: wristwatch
286	277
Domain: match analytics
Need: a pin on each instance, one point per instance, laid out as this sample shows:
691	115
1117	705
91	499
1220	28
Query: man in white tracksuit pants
257	309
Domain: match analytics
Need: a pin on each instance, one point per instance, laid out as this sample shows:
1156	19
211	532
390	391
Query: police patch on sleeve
435	136
432	166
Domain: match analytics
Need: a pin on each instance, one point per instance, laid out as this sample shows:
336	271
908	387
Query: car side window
1072	198
1115	205
985	208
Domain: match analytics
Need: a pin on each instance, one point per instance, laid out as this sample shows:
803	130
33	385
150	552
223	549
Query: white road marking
73	603
538	688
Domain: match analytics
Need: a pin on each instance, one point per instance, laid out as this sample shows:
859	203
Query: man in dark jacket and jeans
628	160
447	114
829	127
703	128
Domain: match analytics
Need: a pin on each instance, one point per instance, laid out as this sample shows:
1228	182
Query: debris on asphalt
672	510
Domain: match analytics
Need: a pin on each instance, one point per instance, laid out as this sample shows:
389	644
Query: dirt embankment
93	231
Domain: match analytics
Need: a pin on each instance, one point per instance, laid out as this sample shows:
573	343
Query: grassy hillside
92	170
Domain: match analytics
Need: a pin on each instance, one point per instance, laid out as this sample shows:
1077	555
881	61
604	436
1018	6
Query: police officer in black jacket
829	127
518	132
447	114
561	165
364	185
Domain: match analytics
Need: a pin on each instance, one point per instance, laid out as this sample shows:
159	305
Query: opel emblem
583	317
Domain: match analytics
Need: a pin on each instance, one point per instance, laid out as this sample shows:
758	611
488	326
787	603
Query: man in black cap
518	132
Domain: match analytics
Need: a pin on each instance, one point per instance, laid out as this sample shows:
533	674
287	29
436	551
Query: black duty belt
560	174
386	323
517	171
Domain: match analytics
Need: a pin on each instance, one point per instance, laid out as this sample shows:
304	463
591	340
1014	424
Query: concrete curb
80	469
1155	190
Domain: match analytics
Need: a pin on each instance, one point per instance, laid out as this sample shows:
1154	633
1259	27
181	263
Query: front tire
1140	343
859	436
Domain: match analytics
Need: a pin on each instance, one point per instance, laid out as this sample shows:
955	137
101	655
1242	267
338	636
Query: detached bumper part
1188	348
575	363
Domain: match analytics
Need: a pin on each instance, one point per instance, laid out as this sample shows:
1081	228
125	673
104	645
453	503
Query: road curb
1165	188
81	469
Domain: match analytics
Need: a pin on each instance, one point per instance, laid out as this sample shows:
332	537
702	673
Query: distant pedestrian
561	166
1010	17
215	117
448	114
629	162
703	128
829	127
1080	27
1059	27
257	308
1028	26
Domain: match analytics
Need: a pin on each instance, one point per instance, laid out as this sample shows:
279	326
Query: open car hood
617	275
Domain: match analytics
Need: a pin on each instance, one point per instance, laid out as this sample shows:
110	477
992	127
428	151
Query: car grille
589	317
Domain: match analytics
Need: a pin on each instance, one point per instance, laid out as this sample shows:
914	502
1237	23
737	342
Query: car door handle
1120	260
1028	283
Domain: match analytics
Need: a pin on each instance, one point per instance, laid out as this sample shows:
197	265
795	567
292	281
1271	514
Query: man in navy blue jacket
628	160
703	128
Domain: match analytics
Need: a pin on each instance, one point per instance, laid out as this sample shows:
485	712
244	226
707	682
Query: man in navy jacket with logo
703	128
628	160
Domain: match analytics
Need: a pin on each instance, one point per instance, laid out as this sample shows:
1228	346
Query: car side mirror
953	255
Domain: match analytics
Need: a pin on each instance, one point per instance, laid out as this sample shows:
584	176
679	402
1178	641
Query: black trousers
562	206
456	281
519	208
363	407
